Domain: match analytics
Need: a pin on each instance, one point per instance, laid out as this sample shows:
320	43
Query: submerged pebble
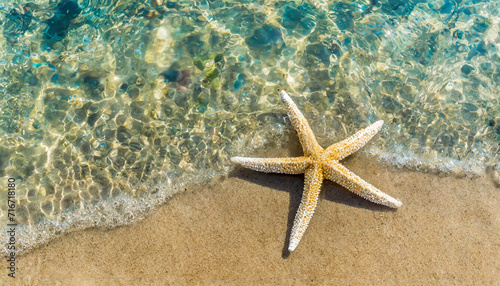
264	38
64	13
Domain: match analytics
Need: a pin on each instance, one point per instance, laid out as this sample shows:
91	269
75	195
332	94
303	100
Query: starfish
318	164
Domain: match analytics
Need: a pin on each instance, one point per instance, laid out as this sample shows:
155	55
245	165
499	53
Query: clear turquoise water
108	107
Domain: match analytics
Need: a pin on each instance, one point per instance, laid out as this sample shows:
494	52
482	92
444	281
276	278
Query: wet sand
235	230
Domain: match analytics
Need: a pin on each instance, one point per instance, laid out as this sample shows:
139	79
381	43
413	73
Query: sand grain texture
235	230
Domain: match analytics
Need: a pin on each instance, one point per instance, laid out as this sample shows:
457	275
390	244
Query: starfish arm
341	175
297	165
300	124
350	145
313	181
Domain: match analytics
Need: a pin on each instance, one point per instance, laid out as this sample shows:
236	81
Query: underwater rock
92	118
300	20
47	207
133	92
467	69
391	105
123	88
109	134
238	83
65	12
85	148
479	49
447	7
137	111
400	7
180	78
99	133
55	117
136	146
93	87
321	52
122	134
100	178
170	4
480	24
343	15
168	107
81	113
175	156
291	18
181	99
171	75
447	139
485	66
92	81
195	44
16	24
265	38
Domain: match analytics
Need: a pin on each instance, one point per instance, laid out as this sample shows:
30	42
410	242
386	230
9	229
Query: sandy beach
234	230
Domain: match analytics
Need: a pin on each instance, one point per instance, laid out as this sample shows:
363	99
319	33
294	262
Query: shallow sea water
108	107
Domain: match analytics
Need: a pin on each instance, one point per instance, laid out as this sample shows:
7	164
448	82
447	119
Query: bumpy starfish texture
318	164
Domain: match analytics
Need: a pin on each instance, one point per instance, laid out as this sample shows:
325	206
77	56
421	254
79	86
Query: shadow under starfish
318	164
